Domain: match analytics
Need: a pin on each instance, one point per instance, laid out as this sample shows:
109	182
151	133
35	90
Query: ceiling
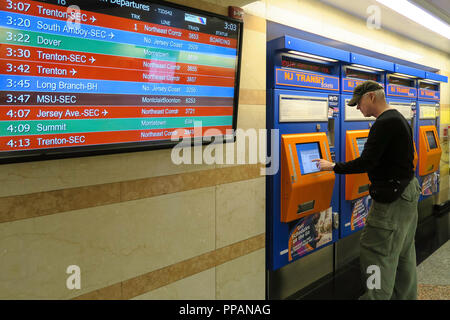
395	22
440	8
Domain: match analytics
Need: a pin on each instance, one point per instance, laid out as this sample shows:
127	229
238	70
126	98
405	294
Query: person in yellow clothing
387	240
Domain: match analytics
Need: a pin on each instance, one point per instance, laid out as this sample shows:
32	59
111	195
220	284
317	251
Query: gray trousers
387	251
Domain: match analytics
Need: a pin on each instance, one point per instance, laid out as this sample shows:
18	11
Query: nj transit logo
429	94
401	91
306	80
350	84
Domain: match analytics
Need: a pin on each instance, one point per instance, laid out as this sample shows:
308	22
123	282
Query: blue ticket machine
401	94
355	198
428	133
303	107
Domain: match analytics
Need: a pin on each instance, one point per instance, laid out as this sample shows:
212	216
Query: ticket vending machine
401	98
428	134
301	201
401	94
406	109
301	179
355	198
305	191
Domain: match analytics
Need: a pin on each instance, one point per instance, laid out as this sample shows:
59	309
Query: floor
433	275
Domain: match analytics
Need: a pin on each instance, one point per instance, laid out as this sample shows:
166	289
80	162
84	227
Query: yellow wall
140	227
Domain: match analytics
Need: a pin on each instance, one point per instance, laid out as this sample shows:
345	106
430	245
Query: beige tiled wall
32	177
201	286
240	211
109	243
242	278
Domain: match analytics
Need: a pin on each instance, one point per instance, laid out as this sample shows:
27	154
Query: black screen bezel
97	150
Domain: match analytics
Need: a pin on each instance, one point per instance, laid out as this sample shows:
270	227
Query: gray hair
379	94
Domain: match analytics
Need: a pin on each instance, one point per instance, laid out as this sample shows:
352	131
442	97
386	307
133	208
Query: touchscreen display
306	153
431	140
361	142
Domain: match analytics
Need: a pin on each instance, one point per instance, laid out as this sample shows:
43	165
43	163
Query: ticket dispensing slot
304	188
429	150
356	185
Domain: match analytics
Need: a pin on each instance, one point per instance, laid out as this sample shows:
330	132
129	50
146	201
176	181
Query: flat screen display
105	75
401	81
361	142
357	74
431	140
290	62
306	153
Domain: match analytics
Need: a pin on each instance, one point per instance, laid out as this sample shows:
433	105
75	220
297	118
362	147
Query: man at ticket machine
387	240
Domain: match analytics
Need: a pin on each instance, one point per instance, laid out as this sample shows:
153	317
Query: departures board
106	75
